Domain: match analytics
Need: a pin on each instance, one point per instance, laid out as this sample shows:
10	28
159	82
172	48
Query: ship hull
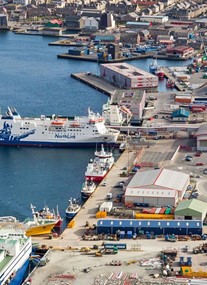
40	230
96	179
70	215
20	274
16	263
52	144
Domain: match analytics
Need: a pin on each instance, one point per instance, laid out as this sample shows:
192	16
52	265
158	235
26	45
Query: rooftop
128	70
193	204
159	179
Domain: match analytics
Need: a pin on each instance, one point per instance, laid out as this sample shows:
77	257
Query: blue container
129	234
122	234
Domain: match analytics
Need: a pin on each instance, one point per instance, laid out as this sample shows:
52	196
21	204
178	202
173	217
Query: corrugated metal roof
172	179
202	130
146	192
149	223
193	204
162	179
144	178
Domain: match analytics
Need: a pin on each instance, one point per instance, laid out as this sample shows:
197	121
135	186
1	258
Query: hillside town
156	24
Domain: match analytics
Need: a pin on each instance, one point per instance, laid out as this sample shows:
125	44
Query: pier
169	76
95	82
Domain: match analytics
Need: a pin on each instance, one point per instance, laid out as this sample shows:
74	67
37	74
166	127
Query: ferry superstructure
15	250
55	131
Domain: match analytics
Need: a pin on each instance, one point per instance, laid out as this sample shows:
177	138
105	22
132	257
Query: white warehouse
157	187
127	76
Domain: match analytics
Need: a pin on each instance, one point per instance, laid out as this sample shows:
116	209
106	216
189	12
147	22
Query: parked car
198	153
205	171
199	163
188	158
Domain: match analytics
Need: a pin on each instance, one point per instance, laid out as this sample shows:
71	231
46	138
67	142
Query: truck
152	133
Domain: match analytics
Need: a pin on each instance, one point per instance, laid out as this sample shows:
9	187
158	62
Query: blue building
156	227
180	115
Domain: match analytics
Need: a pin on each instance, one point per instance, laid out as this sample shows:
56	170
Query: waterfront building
133	100
157	187
179	51
127	76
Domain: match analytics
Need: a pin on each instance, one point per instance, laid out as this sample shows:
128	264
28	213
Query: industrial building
157	187
133	100
128	228
180	115
191	210
154	19
201	138
127	76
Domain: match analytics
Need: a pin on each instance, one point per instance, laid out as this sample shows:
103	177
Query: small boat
170	83
88	188
160	73
46	213
98	167
73	208
153	67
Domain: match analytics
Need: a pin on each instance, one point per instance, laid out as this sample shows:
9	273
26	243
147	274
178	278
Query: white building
154	19
157	187
89	23
127	76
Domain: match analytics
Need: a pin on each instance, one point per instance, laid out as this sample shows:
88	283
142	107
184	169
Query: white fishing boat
46	214
73	208
98	167
54	131
88	188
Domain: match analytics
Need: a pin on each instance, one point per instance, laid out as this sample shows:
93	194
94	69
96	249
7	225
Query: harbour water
35	82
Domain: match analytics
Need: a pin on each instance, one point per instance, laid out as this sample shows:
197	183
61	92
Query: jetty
95	82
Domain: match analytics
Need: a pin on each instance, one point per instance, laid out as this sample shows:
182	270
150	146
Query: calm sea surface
35	82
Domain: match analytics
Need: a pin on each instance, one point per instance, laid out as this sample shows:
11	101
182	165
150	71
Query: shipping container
183	99
152	211
172	211
197	110
157	211
168	210
198	106
162	211
122	234
129	234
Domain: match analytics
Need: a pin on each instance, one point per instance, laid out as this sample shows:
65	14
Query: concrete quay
169	75
72	236
95	82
